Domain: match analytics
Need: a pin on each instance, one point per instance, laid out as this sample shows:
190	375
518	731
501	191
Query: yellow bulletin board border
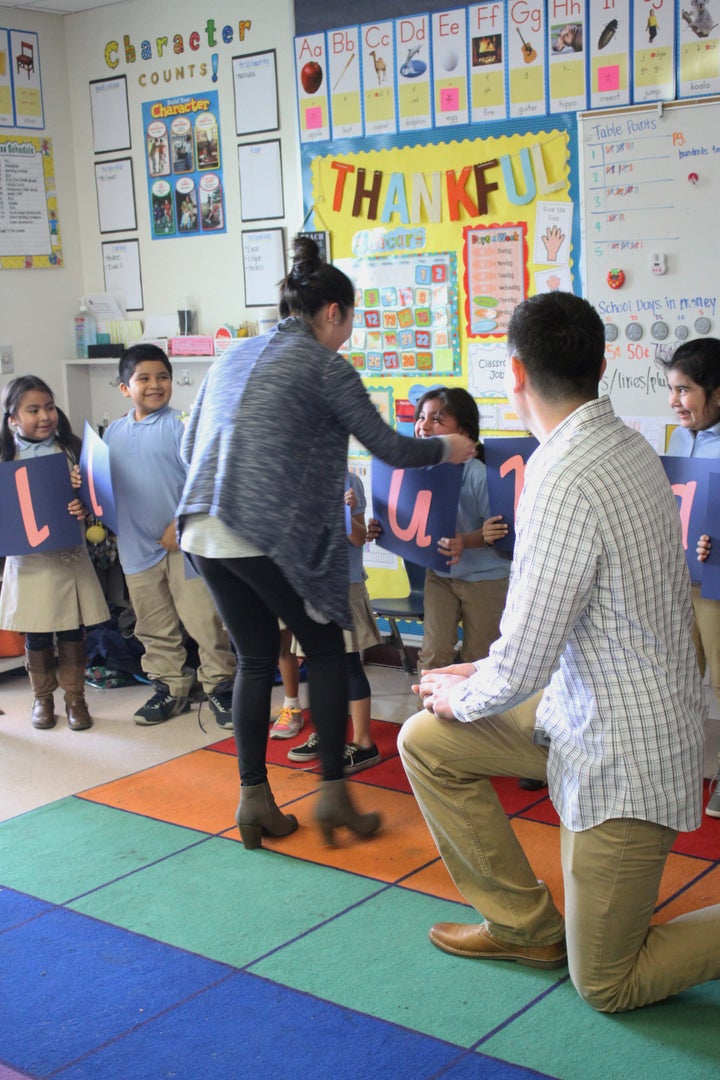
36	145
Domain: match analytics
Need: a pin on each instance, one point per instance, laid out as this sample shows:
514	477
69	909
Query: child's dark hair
313	283
699	360
12	396
458	403
135	355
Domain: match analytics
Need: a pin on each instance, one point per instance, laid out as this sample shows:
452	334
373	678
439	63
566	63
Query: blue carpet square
16	908
72	983
247	1026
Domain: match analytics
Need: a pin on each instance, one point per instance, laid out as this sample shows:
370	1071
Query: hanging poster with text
609	55
27	84
412	75
495	265
527	60
450	52
377	52
699	52
343	57
486	30
654	53
29	227
184	172
7	113
312	87
567	35
405	320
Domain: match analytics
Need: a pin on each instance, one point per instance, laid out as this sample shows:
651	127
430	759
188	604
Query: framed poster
110	114
256	93
263	265
115	195
261	185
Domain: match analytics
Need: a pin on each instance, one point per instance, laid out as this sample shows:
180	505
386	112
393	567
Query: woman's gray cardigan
266	446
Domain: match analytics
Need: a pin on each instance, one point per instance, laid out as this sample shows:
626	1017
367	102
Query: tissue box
192	345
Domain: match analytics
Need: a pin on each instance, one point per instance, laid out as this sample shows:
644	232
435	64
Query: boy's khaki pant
611	872
163	598
706	636
449	601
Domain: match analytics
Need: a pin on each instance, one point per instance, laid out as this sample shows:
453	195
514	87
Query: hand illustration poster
184	170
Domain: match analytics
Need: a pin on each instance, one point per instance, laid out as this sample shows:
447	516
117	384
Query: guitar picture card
527	60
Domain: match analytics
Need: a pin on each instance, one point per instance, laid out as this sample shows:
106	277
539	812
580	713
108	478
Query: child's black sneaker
308	751
160	707
220	701
356	758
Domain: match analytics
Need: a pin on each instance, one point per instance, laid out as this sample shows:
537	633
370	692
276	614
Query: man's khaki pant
611	872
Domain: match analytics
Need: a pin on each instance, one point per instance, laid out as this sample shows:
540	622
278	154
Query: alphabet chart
405	319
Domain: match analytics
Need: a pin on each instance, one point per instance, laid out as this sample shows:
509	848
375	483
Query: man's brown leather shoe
477	942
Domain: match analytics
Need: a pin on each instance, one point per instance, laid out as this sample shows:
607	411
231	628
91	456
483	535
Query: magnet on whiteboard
616	278
693	177
659	264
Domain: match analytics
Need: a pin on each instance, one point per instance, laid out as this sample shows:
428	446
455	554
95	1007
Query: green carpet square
391	970
227	903
71	846
562	1036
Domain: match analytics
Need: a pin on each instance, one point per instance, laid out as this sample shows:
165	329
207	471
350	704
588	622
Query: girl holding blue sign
50	593
693	374
473	588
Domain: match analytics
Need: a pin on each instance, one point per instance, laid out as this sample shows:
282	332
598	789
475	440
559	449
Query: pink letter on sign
449	99
418	522
35	536
518	465
96	507
685	493
313	118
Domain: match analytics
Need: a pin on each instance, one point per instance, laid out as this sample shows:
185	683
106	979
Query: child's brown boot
40	666
71	676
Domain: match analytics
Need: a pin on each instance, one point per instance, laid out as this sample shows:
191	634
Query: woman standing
262	515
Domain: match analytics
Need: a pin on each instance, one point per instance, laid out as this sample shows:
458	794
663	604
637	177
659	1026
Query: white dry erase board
263	266
650	178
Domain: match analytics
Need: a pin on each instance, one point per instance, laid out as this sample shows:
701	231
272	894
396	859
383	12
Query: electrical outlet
7	367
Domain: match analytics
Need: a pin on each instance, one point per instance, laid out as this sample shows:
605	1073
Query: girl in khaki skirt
51	594
362	752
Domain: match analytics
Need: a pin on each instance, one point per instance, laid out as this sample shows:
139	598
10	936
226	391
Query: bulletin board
651	232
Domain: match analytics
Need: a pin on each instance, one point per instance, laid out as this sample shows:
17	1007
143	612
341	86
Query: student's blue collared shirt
148	476
701	444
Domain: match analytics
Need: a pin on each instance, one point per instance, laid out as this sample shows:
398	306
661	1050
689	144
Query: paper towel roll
267	319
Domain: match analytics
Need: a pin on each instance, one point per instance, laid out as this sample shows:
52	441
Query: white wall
37	307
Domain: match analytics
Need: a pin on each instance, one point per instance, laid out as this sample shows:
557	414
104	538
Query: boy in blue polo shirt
148	476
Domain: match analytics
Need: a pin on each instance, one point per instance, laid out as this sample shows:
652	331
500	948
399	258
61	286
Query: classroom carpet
139	939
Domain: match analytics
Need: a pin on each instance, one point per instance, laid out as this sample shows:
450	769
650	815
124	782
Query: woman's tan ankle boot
259	815
335	809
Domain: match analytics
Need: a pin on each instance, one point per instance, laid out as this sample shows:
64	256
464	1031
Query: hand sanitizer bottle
85	333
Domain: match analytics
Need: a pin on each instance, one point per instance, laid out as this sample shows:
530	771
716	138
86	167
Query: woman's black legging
251	594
